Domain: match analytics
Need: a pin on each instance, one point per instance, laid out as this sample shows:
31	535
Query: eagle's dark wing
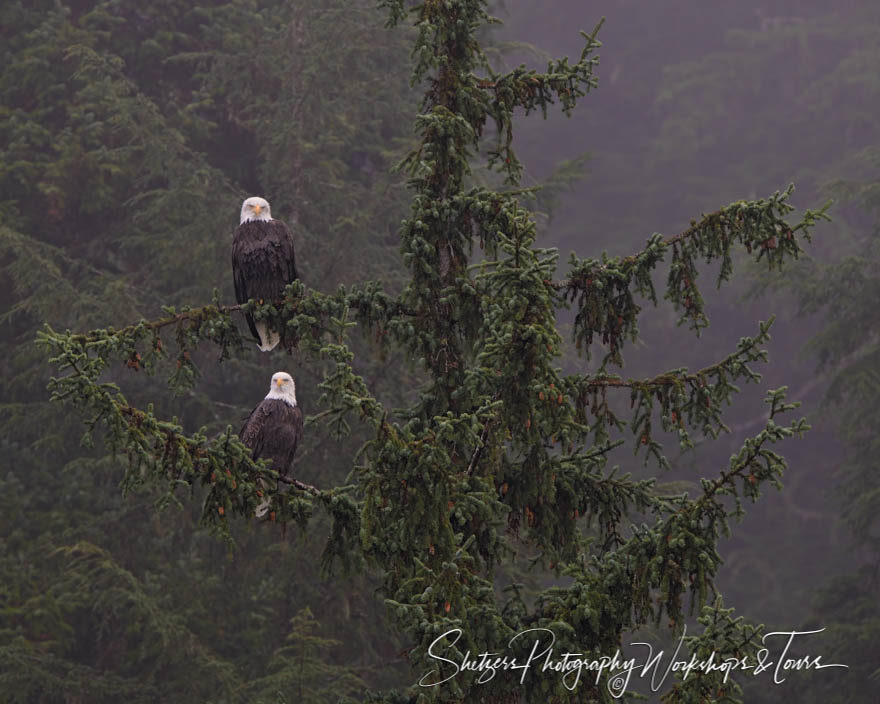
243	243
287	240
297	422
251	432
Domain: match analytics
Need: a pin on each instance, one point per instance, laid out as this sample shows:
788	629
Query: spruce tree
501	450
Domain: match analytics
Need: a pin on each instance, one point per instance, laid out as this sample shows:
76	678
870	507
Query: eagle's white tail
269	339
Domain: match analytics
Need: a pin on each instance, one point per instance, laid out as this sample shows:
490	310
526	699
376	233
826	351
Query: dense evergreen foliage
449	444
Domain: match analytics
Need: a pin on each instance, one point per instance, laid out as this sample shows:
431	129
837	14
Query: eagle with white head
273	429
263	263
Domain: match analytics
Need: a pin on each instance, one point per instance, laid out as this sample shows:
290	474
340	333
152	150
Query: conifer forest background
525	407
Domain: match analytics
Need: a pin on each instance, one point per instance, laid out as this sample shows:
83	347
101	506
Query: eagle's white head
282	388
255	208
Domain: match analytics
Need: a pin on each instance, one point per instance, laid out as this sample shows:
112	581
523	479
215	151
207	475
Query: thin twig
300	485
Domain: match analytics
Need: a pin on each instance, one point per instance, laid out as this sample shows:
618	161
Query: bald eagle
262	263
273	429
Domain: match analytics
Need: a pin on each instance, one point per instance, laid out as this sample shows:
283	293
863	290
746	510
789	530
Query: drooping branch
523	88
683	398
604	291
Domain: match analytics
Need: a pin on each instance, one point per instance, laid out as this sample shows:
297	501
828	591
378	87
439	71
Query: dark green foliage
297	672
606	305
140	648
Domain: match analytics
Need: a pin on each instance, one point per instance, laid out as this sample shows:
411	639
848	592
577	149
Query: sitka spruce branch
605	290
162	455
160	452
498	454
308	312
680	399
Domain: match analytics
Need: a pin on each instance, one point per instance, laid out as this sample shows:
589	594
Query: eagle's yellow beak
279	382
257	209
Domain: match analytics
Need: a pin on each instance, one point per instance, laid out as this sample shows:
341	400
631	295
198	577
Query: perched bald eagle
262	263
273	429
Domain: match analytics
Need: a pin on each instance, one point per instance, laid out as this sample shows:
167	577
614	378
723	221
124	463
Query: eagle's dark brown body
272	432
263	263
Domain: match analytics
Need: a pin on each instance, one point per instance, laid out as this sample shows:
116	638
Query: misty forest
582	335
